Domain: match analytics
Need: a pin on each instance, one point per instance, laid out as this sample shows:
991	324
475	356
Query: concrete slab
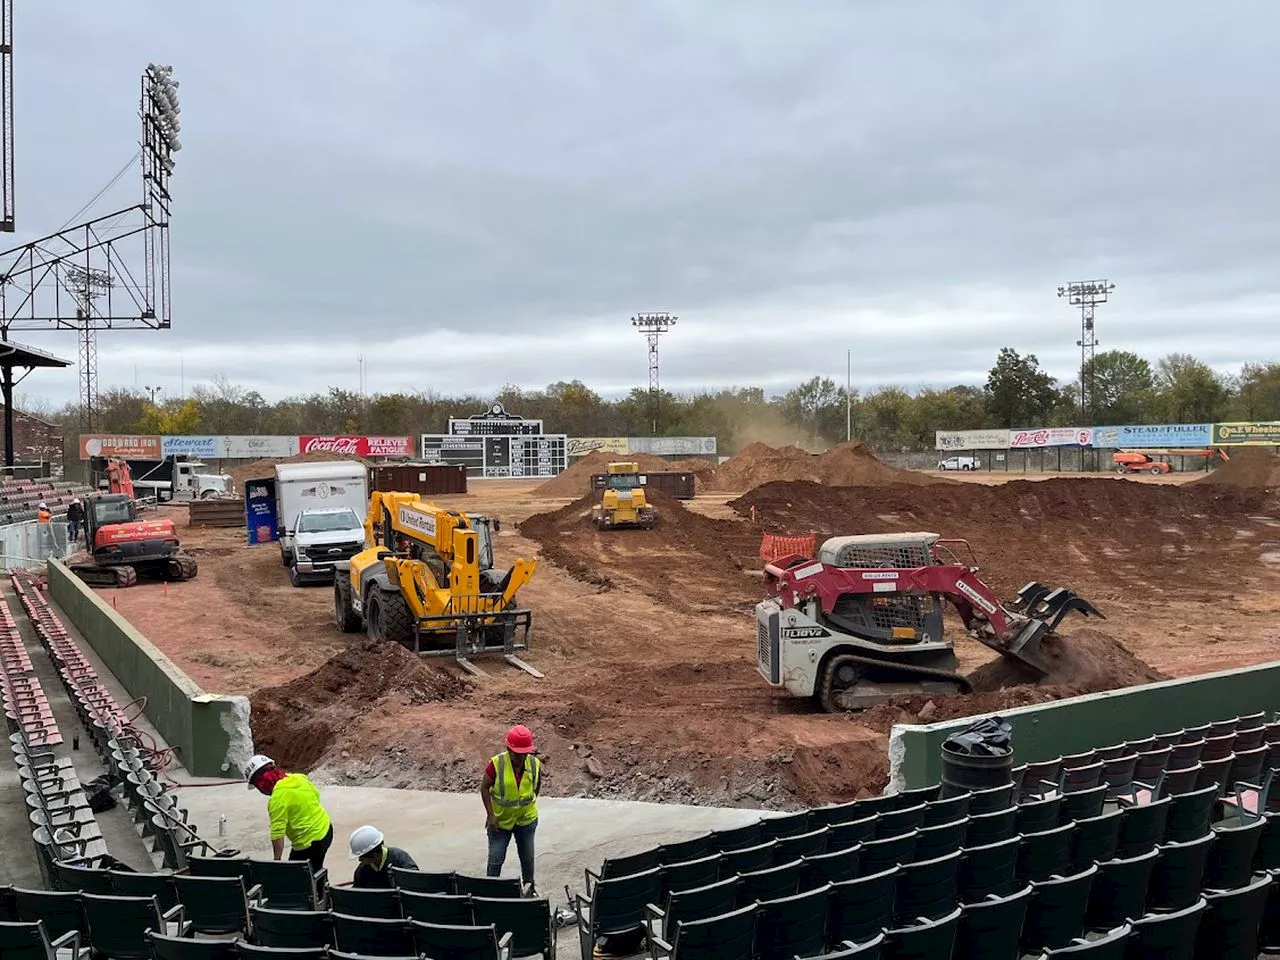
445	831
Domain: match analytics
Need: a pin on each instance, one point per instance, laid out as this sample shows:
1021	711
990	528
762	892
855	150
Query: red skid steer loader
864	621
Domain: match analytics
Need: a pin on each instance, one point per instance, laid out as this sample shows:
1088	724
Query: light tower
653	326
85	286
1086	294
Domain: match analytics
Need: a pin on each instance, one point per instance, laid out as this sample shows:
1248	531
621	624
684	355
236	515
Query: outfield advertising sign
1050	437
1139	436
1259	433
971	439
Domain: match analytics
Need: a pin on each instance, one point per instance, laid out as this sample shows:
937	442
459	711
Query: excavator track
828	696
182	567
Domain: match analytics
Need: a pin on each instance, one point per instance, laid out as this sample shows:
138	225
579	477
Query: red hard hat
520	739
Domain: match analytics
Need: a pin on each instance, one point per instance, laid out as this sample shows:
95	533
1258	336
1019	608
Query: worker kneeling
376	858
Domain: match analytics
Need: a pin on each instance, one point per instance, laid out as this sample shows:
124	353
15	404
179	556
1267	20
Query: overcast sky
473	194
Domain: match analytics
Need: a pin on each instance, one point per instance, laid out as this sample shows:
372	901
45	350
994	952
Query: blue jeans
499	840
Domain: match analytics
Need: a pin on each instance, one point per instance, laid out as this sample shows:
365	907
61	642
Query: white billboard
253	446
971	439
1050	437
673	446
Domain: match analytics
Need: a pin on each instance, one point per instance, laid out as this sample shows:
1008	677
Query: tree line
1121	387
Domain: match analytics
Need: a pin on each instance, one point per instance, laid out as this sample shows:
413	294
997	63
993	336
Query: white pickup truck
322	539
959	463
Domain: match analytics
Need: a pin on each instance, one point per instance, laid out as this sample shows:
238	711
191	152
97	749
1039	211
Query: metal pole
848	395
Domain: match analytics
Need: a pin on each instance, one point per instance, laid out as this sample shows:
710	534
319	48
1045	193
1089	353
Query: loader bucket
1024	645
1029	596
1058	603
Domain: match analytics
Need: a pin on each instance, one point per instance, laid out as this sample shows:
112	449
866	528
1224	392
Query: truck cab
322	540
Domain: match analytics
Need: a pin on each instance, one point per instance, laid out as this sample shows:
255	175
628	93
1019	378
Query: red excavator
864	621
123	548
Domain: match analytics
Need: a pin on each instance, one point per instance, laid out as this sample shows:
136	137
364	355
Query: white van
959	463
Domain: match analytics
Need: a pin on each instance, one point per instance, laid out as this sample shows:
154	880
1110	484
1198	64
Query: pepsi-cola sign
1050	437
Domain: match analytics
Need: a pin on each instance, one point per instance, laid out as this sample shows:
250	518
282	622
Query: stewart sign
349	446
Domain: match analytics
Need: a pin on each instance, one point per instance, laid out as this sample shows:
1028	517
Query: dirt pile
1084	661
298	722
688	561
848	464
1255	467
576	481
262	468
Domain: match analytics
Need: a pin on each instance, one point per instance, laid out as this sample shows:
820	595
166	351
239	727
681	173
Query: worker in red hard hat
510	795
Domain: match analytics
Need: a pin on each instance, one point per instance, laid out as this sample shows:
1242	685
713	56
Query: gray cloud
472	199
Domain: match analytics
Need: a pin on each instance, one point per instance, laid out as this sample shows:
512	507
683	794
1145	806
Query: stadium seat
445	908
809	844
31	941
526	920
894	823
465	884
941	839
1230	861
1097	839
728	936
927	940
443	942
990	928
1119	890
1230	927
747	859
987	870
927	889
688	874
786	825
186	948
792	926
1177	875
860	909
682	906
357	902
946	811
830	868
880	855
772	883
288	884
291	929
1167	936
1045	854
422	881
1112	946
378	938
1035	816
1055	913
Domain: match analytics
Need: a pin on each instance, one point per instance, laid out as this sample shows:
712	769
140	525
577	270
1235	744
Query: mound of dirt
848	464
576	481
1254	467
688	561
298	722
262	468
1084	661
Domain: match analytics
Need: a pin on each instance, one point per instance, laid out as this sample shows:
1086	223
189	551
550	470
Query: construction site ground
647	638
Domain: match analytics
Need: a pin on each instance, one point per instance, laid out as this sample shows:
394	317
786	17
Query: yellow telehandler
426	579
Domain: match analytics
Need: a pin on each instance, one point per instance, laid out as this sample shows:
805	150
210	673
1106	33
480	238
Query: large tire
386	617
344	618
295	578
1156	471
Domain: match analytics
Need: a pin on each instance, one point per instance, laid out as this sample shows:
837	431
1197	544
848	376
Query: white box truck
320	509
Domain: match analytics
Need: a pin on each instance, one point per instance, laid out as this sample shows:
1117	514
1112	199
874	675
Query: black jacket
367	876
75	513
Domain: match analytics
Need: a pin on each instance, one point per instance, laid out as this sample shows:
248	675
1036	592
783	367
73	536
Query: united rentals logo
424	523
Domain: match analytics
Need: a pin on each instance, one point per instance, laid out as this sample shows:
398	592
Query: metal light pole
151	393
652	326
1086	294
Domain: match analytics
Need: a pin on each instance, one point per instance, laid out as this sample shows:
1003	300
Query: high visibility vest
44	516
515	805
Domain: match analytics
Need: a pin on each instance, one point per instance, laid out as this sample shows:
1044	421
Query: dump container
979	757
424	479
679	484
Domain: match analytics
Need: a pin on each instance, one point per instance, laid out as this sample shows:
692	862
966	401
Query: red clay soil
1248	467
298	722
263	468
689	561
576	481
1107	535
848	464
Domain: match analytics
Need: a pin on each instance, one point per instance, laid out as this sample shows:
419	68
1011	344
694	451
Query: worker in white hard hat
295	811
376	858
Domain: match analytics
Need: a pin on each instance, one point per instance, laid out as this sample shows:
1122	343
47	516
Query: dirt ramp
689	561
848	464
297	723
1255	467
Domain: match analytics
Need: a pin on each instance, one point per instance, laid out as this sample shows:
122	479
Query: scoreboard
497	445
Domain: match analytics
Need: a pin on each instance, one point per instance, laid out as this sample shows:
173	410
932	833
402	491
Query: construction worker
295	811
376	858
44	528
75	517
510	795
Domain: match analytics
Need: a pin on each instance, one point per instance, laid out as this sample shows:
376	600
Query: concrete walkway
445	831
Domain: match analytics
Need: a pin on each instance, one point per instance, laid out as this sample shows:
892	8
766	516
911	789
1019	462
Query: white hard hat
257	763
43	505
364	839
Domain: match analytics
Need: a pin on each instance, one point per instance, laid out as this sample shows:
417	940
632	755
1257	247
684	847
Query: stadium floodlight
652	326
1087	295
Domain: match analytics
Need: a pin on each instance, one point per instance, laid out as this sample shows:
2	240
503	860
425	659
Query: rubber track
926	672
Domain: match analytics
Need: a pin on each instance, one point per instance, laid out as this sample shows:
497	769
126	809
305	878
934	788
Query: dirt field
647	637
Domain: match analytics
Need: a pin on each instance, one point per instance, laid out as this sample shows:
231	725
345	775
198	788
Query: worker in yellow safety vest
510	795
295	811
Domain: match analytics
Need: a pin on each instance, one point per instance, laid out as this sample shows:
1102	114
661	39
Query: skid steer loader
864	621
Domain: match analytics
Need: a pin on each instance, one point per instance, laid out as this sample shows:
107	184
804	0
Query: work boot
530	890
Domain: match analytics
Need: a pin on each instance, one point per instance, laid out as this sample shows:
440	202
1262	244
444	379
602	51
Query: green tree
1121	387
1258	392
1019	393
1188	391
817	407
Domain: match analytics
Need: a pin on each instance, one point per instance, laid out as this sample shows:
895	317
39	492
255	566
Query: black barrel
965	772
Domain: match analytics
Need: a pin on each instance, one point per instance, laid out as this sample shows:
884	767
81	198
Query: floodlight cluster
163	92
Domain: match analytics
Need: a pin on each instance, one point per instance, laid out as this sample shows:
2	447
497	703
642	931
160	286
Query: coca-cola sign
348	446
